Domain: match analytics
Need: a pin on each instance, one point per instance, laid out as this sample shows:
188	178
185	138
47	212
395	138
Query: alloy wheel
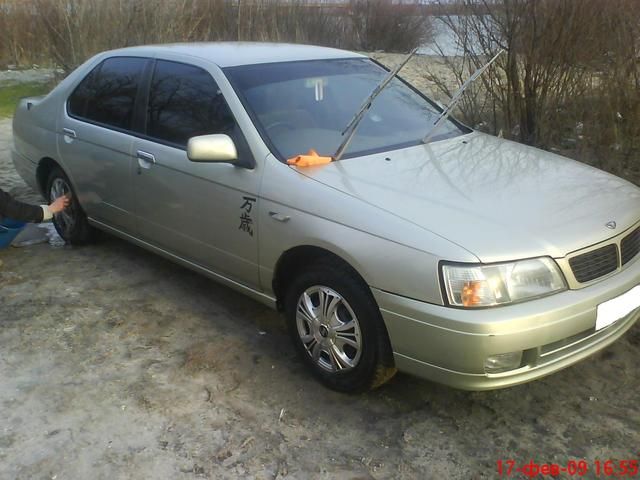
328	329
65	219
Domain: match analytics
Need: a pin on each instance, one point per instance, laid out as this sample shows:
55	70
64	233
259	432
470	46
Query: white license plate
613	310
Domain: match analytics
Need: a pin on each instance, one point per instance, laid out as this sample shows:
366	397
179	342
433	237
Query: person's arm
19	211
24	212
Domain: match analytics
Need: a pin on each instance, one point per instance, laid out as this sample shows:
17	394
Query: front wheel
337	328
71	224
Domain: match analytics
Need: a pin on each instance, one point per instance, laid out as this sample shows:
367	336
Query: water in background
444	38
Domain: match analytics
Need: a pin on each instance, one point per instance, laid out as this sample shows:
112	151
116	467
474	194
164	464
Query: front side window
306	105
185	102
107	95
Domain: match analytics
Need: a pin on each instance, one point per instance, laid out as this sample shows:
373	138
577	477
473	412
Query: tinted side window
80	97
108	93
184	102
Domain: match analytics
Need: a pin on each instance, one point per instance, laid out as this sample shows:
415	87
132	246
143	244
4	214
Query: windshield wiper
456	96
352	127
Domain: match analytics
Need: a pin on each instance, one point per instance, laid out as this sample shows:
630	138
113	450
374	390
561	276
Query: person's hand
60	203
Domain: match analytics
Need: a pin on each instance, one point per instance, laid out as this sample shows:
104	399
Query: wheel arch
293	261
43	170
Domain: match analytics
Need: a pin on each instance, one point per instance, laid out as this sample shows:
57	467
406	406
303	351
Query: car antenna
352	127
456	96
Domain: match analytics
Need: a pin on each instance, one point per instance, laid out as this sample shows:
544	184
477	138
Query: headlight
501	283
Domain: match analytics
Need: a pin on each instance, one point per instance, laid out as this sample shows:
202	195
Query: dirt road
117	364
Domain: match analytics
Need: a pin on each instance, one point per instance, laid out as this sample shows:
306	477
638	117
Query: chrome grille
595	264
630	246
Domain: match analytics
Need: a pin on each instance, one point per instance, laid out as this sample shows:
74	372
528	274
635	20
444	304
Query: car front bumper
450	345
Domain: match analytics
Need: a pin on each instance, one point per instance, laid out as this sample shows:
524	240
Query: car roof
231	54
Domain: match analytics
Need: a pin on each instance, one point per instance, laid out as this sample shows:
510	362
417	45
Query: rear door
203	212
95	139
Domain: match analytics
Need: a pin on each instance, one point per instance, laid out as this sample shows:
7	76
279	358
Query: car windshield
298	106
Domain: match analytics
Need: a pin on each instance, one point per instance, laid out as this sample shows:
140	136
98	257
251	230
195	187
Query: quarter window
83	93
184	102
107	95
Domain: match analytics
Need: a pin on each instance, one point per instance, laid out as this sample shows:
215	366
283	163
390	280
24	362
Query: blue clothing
9	229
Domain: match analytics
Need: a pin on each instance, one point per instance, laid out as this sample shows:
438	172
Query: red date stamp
598	468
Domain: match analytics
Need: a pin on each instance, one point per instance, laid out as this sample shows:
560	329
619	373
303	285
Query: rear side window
184	102
107	95
79	99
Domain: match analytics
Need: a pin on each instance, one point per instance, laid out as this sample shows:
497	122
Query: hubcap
328	329
324	331
65	219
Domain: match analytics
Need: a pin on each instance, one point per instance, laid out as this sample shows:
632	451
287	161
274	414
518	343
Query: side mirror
212	148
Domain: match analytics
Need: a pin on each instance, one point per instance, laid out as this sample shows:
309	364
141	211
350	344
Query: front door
203	212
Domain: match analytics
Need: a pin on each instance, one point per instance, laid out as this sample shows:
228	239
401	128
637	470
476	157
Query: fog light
503	362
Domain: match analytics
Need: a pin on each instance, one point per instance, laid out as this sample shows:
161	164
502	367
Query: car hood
498	199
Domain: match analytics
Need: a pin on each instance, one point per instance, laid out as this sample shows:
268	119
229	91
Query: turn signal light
471	293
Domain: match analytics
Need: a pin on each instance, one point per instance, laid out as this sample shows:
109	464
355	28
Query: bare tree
388	25
569	79
69	31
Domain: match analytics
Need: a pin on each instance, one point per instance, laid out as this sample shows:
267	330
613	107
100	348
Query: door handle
145	159
69	133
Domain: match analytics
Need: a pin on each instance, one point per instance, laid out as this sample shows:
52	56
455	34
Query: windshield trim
464	130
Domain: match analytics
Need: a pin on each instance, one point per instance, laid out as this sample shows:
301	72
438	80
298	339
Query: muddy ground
117	364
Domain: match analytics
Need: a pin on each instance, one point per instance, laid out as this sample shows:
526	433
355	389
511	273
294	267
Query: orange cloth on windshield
311	159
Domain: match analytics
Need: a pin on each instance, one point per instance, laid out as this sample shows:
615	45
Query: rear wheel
337	328
71	224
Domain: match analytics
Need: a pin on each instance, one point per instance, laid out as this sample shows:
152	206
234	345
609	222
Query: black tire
368	369
73	225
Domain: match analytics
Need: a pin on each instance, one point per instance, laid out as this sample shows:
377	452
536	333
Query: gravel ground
118	364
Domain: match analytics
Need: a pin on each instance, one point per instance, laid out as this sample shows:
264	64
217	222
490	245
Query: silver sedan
467	259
